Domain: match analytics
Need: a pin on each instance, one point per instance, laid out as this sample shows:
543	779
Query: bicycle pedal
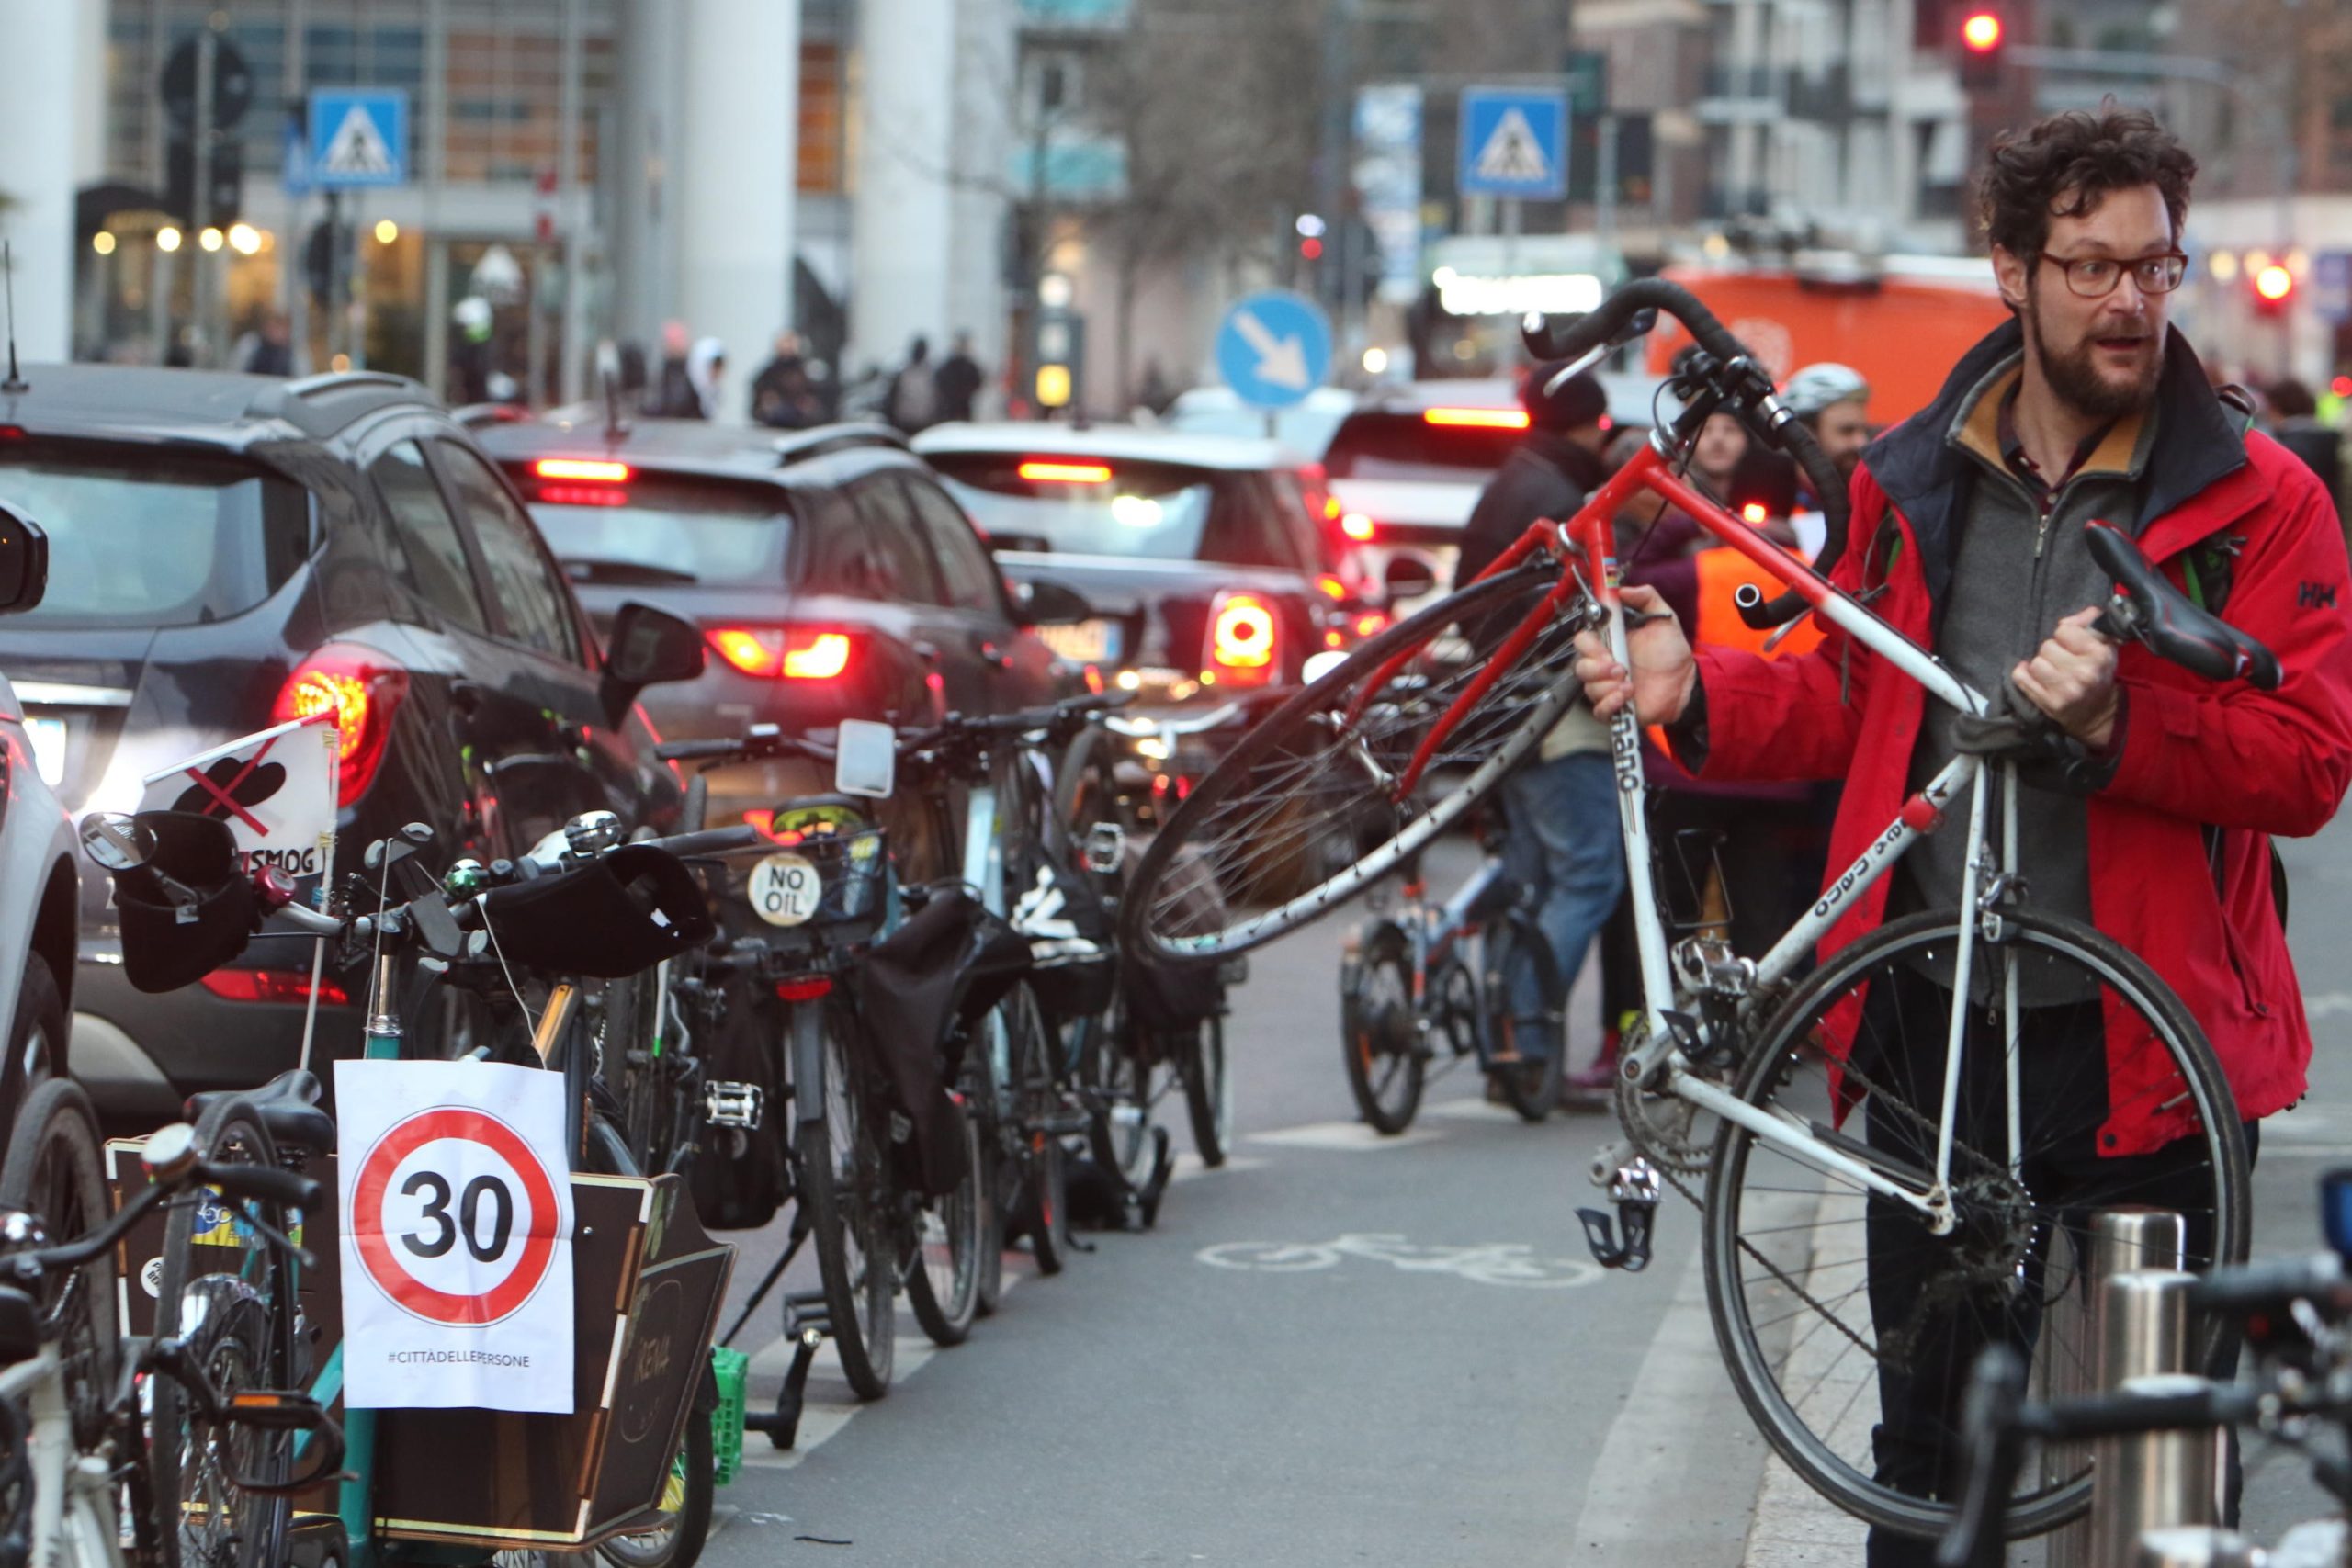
1106	848
1633	1254
736	1105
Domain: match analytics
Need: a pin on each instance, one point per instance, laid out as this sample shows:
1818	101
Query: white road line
1351	1137
1189	1169
2326	1004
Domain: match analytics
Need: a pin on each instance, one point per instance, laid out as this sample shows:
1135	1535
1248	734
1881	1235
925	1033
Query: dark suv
228	552
831	574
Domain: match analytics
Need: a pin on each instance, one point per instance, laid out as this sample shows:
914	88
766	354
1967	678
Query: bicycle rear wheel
1802	1267
225	1294
944	1278
1518	959
1380	1031
1038	1100
844	1179
1305	810
1208	1091
53	1169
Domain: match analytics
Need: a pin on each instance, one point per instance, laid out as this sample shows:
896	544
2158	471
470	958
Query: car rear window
147	539
1110	507
658	530
1404	445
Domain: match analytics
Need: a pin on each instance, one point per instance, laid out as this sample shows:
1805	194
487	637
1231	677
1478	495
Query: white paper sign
276	790
456	1236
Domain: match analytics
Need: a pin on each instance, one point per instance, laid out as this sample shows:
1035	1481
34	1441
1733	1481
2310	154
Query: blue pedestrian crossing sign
1273	348
1514	142
359	137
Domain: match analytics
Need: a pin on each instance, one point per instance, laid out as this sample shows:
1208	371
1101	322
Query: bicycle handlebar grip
708	842
1578	336
265	1183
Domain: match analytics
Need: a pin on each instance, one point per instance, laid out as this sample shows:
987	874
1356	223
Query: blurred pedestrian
268	349
1154	392
1560	807
706	362
960	379
470	363
2294	414
673	392
1834	402
783	395
913	401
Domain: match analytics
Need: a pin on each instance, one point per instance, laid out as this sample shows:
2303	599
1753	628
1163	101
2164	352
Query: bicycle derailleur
1633	1188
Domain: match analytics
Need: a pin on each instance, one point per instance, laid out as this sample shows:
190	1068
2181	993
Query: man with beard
1967	535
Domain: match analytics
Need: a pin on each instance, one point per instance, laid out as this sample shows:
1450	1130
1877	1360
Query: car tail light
1331	586
791	653
804	987
363	690
273	986
582	495
1752	513
1372	623
1356	526
1477	419
1244	637
591	470
1038	471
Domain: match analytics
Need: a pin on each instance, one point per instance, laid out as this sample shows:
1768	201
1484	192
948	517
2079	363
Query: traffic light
1983	38
2274	289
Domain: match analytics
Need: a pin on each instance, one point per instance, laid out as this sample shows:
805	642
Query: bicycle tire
843	1174
982	1099
1045	1169
1127	1080
1208	1092
1085	786
54	1170
943	1275
235	1293
686	1501
1380	1031
1776	1065
1532	1087
1261	824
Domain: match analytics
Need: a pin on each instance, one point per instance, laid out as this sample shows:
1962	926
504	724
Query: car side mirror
647	647
24	562
1045	603
1408	576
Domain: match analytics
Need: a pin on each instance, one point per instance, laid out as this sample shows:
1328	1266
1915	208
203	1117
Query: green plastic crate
732	1368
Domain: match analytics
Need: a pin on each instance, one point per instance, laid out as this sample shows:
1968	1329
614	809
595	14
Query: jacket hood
1928	480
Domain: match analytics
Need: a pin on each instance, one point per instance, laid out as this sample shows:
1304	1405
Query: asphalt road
1162	1402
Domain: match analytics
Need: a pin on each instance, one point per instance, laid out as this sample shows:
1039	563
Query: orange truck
1902	322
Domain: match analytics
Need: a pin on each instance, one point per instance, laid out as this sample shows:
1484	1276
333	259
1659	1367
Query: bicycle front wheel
1307	810
1848	1328
944	1278
224	1294
53	1169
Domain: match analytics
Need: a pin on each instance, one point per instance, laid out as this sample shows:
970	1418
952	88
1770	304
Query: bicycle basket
189	910
621	913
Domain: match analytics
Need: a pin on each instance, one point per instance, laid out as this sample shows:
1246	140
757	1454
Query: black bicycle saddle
2174	628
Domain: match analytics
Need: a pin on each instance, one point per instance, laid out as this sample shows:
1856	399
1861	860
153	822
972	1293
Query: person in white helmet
1834	402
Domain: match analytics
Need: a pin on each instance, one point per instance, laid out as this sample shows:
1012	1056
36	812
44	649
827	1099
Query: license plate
1088	642
48	736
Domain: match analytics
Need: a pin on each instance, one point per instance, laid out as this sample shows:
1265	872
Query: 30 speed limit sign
456	1225
784	889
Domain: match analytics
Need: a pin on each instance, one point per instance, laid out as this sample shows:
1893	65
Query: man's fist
2072	679
1659	683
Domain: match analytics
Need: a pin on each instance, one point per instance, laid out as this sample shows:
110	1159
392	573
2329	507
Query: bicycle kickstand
806	1325
1633	1188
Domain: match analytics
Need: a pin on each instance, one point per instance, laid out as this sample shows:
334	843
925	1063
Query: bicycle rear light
1244	637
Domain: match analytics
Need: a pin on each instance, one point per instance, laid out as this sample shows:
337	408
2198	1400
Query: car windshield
1405	445
661	530
1112	507
140	537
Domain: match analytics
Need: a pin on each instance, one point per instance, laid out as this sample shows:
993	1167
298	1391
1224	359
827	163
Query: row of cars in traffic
225	552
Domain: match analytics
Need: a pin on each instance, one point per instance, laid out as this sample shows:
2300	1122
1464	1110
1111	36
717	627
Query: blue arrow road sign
1514	142
359	137
1273	348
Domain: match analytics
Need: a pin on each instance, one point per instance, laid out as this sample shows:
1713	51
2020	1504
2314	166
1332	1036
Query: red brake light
594	470
804	987
1752	513
1243	638
273	986
793	653
1332	587
1372	623
581	495
1356	526
1478	419
363	690
1038	471
1982	31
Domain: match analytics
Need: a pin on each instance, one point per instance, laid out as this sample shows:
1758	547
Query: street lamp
167	239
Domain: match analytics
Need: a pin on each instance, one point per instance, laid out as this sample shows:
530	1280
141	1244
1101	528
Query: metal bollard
2117	1241
2157	1479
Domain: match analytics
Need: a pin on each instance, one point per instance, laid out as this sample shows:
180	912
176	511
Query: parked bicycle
1741	1067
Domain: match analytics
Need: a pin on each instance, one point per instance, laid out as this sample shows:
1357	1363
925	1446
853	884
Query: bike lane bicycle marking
1512	1265
1350	1137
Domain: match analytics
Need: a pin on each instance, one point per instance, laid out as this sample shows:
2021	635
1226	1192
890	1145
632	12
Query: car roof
1127	442
674	446
1223	398
219	407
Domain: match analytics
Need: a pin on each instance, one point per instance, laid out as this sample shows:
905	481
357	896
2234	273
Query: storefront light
243	239
386	231
101	242
167	239
211	239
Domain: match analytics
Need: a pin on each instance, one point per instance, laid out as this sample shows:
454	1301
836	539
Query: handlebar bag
623	912
189	910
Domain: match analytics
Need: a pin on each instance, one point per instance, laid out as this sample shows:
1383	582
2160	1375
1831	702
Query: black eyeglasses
2094	278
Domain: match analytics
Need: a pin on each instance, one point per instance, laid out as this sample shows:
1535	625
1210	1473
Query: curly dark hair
2065	166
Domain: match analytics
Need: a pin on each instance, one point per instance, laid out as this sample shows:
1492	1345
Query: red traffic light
2274	282
1982	31
1311	248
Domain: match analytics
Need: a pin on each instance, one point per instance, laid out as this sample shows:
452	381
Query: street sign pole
200	213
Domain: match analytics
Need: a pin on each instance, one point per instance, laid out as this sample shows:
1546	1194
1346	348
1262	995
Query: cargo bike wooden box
646	1285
